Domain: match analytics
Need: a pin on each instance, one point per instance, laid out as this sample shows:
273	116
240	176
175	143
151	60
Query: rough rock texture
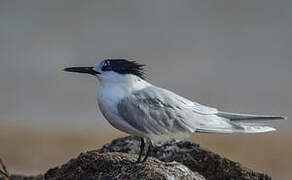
115	161
212	166
93	165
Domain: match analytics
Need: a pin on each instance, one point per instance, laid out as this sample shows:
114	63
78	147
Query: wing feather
162	113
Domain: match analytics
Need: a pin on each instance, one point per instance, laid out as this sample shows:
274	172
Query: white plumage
137	107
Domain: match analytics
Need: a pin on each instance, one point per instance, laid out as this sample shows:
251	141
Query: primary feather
248	117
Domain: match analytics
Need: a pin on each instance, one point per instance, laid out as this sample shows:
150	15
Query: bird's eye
106	66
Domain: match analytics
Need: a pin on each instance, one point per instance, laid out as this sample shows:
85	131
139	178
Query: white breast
111	92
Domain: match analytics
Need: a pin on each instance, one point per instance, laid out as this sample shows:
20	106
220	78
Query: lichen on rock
173	160
211	165
111	165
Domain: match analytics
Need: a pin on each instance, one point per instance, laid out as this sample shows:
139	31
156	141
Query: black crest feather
124	66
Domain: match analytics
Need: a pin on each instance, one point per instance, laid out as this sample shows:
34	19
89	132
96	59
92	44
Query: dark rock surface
115	161
212	166
93	165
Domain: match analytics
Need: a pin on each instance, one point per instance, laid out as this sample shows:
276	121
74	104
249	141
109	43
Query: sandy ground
32	151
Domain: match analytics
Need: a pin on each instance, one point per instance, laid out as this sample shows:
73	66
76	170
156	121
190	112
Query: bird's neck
119	87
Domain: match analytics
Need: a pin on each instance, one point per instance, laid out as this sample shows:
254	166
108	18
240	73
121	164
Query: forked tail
242	123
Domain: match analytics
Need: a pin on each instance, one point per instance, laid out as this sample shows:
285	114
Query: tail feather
248	117
242	123
244	129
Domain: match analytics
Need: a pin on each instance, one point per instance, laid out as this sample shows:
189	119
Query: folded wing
162	114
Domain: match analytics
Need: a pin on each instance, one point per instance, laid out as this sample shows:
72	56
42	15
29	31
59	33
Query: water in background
235	56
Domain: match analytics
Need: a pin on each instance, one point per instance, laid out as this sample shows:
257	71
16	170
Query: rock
181	160
94	165
211	165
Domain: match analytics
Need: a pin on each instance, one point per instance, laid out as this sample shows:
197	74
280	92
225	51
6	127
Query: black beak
87	70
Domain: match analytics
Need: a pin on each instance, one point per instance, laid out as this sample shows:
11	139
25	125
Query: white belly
111	115
110	94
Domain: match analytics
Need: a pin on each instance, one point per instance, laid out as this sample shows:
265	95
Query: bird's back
162	114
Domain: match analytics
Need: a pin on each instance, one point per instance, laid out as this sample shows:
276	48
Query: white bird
135	106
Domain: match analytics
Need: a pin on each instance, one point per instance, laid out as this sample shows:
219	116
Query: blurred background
233	55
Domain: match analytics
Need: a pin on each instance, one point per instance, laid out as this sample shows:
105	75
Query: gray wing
159	112
162	114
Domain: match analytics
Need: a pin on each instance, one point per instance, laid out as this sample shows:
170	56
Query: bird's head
110	69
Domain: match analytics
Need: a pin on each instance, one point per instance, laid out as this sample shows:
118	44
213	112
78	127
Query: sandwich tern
135	106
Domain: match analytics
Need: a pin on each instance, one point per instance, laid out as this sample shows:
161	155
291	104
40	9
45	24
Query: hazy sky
234	55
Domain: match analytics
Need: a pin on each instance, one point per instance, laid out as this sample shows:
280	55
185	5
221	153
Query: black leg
141	150
148	151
